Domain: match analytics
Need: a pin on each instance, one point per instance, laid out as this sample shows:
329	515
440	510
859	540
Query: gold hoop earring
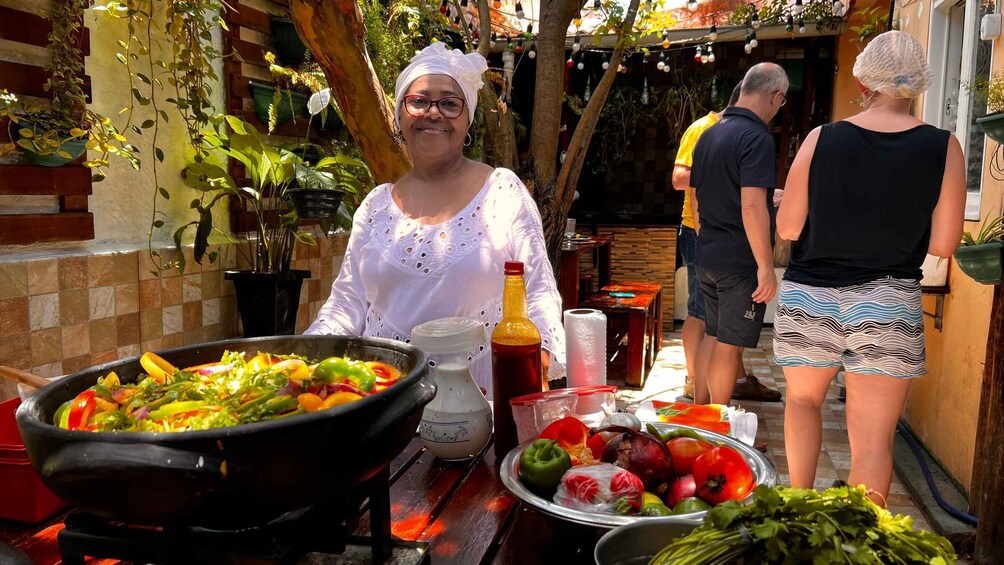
468	140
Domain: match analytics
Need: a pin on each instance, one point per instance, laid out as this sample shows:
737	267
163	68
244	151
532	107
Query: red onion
215	369
292	388
141	413
641	453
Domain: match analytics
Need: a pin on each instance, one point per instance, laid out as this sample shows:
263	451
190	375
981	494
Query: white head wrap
436	59
893	63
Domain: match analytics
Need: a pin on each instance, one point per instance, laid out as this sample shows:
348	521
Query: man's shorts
687	241
732	316
872	328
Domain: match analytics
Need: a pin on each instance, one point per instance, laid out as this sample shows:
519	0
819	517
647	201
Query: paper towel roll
586	347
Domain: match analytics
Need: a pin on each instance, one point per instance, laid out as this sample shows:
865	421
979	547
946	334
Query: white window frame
937	99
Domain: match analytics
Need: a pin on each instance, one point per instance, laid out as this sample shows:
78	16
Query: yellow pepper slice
310	402
339	398
294	369
156	366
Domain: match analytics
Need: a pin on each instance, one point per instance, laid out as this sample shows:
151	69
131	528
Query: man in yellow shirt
747	386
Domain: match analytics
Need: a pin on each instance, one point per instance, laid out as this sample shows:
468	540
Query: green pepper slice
173	408
542	464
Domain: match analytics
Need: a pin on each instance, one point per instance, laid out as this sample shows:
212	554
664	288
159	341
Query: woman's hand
545	363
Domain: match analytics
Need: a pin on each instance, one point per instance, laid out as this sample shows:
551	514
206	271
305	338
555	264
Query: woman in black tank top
866	199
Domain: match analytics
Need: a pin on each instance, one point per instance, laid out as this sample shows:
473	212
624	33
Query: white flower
319	101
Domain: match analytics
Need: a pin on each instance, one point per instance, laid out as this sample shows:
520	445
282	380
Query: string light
494	39
576	45
508	43
713	35
662	62
606	63
533	51
665	39
797	8
711	54
789	28
581	65
801	26
698	54
578	20
529	30
519	47
755	20
497	4
691	5
753	41
569	63
519	10
837	7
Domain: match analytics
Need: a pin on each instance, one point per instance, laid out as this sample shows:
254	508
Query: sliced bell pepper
80	411
156	366
542	464
294	369
173	408
572	436
596	444
62	413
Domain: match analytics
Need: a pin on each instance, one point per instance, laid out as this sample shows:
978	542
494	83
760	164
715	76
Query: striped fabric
871	328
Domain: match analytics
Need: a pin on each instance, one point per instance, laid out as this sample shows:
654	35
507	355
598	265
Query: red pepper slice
596	444
571	435
81	410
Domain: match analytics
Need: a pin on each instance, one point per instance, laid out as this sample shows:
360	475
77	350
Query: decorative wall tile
172	320
171	341
149	294
104	334
102	302
43	276
127	329
14	317
133	350
72	273
170	291
104	357
191	315
151	324
49	370
126	298
74	364
101	270
13	280
211	312
74	306
212	333
46	346
191	288
76	340
211	284
192	337
125	267
15	351
43	311
152	345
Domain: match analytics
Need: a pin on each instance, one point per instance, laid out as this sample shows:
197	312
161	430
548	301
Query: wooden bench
634	327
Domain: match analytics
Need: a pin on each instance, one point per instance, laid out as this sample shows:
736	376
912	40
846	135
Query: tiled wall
65	313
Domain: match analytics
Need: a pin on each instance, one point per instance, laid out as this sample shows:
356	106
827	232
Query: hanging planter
73	148
288	45
263	94
982	263
315	203
993	126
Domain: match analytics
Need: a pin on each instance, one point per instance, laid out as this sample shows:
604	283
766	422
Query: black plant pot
315	203
993	126
267	301
288	45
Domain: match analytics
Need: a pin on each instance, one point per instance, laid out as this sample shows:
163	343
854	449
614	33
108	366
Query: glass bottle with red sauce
516	360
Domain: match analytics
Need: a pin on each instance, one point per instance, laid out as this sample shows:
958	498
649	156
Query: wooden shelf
22	229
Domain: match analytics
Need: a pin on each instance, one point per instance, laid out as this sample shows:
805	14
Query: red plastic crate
23	497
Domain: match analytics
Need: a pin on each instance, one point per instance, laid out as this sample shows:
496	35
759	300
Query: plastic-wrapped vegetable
600	488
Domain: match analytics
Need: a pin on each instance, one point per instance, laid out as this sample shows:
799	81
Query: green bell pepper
542	464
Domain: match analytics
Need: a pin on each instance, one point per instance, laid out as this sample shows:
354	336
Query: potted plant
289	95
268	292
980	256
60	132
288	44
991	92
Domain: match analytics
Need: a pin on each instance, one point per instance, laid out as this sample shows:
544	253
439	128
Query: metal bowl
763	474
637	543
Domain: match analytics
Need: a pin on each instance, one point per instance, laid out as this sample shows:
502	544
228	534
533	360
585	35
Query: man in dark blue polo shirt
734	172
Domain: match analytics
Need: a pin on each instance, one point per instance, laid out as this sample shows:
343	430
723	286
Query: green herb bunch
789	525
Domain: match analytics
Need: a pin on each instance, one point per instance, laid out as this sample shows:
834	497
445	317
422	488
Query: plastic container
25	498
534	412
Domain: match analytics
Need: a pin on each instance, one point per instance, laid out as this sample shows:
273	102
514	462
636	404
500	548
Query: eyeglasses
418	105
784	98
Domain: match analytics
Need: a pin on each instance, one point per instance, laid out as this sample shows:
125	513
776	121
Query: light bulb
497	4
748	48
691	5
606	64
753	41
576	45
580	66
519	46
713	35
797	8
569	63
711	57
755	22
665	69
519	10
533	51
837	7
665	44
697	54
660	65
801	26
704	58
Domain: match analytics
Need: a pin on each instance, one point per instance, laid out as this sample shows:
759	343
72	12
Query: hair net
436	59
893	63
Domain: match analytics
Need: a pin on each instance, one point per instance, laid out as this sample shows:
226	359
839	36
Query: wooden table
570	252
643	331
459	511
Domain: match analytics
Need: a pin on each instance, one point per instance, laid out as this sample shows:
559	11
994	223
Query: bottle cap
448	335
514	267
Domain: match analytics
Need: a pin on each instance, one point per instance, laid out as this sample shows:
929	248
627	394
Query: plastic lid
514	267
448	335
537	397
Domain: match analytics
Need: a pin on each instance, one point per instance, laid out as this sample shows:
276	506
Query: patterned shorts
871	328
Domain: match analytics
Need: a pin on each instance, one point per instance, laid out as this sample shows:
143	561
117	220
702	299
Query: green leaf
158	223
147	124
121	58
164	193
159	153
142	77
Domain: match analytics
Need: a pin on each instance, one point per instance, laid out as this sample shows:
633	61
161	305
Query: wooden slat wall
644	254
72	183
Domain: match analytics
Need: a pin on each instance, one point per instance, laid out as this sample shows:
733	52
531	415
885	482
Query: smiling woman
433	244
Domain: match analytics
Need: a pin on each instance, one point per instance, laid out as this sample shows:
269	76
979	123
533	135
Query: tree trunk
334	32
499	124
988	468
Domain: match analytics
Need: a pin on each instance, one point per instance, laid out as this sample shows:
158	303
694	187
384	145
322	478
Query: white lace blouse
398	273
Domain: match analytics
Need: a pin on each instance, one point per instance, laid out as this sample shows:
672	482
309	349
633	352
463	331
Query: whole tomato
685	450
722	474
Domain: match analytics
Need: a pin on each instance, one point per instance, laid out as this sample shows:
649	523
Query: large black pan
229	477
